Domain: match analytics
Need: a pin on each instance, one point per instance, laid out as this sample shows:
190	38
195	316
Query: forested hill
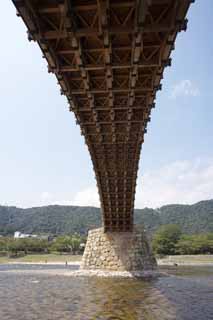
196	218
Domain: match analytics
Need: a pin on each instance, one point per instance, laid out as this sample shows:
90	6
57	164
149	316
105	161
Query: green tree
69	244
4	244
195	244
15	246
166	238
27	245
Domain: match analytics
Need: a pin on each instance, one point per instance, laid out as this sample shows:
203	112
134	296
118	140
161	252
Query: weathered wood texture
108	57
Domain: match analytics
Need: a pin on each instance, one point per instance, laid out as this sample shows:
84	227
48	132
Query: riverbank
186	260
83	273
181	260
42	259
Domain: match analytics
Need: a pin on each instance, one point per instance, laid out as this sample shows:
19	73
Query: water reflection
129	299
183	296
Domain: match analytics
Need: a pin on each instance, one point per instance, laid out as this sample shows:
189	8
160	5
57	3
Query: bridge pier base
118	251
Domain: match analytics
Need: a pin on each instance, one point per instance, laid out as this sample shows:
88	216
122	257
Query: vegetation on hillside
59	220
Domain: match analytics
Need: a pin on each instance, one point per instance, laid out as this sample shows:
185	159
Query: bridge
108	57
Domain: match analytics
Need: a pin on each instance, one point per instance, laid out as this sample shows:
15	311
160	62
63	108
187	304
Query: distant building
19	235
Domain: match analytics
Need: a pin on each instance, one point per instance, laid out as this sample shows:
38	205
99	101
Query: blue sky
44	159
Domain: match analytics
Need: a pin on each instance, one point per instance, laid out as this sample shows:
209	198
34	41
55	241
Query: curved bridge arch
109	58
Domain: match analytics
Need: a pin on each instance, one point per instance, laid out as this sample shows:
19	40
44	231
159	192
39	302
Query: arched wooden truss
109	57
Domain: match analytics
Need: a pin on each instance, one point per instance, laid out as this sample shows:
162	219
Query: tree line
169	240
72	244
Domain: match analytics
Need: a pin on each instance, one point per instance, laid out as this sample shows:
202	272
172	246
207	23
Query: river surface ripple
32	292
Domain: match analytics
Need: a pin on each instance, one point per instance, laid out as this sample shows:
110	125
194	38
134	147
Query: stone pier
118	251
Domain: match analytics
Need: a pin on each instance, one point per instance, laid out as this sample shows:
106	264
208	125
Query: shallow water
30	292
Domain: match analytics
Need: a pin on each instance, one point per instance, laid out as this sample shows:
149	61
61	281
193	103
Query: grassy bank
41	258
186	260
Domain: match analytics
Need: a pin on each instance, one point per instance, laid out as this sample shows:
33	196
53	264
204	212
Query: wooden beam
91	32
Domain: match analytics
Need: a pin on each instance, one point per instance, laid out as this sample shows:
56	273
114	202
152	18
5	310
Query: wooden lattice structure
109	57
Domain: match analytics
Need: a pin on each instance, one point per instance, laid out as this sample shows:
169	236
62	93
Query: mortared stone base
119	251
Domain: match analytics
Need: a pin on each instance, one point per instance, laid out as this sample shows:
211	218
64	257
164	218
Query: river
48	293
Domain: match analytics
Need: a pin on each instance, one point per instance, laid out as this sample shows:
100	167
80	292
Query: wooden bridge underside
109	57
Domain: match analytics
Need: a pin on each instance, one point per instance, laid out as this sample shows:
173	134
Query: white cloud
178	182
184	88
46	196
87	197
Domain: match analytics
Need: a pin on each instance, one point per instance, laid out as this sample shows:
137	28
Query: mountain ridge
58	219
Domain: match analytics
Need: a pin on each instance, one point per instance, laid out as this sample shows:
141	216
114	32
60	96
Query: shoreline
169	261
186	260
78	263
69	263
185	264
148	274
161	271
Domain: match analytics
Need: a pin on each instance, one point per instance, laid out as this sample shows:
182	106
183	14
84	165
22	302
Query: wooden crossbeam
88	32
109	58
